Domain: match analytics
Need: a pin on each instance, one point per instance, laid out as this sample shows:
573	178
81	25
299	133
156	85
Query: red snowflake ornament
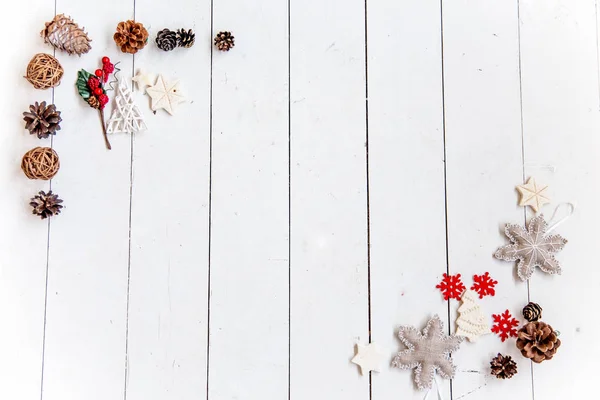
504	325
451	287
484	285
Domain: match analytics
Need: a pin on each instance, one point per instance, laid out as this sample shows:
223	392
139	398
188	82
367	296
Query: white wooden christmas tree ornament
126	117
471	321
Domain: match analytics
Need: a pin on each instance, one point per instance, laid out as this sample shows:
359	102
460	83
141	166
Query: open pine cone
42	120
185	38
46	204
166	39
537	341
224	41
503	367
131	36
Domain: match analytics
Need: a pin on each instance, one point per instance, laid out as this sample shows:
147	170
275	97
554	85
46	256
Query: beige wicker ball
40	163
44	71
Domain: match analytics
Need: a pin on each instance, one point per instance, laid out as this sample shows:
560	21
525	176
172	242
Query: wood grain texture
484	164
561	121
249	265
23	238
329	282
406	165
89	244
403	126
168	309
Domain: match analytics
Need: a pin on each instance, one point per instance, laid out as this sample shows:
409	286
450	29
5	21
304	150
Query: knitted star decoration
427	352
532	247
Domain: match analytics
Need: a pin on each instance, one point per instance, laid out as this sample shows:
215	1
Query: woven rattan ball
40	163
44	71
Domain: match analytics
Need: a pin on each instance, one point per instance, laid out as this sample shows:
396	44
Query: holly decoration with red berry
91	88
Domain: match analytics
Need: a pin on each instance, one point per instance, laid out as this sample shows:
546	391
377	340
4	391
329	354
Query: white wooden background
322	177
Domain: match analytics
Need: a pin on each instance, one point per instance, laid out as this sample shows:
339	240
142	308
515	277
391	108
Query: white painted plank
483	150
329	201
561	125
484	164
23	237
87	283
406	164
168	307
249	241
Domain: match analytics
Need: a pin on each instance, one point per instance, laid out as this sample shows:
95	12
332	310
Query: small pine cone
42	120
166	40
93	102
46	204
131	36
503	367
532	312
537	341
224	41
185	38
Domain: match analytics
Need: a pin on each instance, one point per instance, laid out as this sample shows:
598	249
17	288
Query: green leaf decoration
82	84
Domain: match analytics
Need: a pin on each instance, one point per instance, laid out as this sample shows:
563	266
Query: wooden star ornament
165	94
533	195
143	79
368	358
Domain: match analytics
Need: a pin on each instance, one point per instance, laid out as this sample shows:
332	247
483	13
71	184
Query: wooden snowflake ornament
427	352
126	117
532	247
165	94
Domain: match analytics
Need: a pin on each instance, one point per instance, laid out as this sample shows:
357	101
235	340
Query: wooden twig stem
104	129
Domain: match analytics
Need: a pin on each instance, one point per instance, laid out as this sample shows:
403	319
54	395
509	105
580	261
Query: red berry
93	83
103	99
98	73
105	60
98	91
108	68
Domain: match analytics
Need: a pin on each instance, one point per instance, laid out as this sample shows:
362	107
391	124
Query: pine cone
532	312
46	204
185	39
93	102
224	41
537	341
64	34
166	40
503	367
42	120
131	36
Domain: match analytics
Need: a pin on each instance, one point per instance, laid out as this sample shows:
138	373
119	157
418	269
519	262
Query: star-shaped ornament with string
165	94
533	195
369	357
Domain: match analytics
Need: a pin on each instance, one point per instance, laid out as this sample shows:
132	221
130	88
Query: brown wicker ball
44	71
40	163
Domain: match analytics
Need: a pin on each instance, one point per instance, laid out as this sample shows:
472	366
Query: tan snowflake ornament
532	247
165	94
428	352
533	195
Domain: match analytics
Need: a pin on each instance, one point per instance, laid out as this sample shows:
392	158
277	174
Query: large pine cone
185	38
64	34
166	40
503	367
224	41
131	36
46	204
42	120
537	341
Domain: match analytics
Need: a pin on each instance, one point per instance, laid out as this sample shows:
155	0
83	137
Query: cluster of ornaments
44	71
428	352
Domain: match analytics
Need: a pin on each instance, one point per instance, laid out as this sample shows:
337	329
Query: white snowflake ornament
126	117
165	94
